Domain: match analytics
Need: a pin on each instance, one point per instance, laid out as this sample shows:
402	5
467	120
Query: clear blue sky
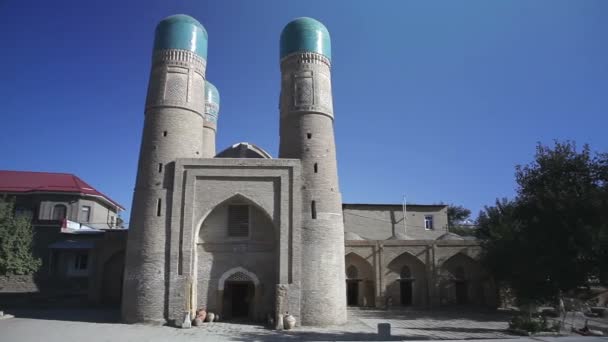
437	100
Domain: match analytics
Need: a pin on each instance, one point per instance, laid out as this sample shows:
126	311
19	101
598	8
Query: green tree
457	218
553	236
16	237
457	214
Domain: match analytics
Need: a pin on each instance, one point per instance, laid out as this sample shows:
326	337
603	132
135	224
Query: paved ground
99	325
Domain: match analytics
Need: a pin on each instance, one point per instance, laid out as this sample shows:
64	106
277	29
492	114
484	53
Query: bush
532	324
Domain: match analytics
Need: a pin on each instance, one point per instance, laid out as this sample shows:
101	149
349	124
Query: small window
159	207
59	212
316	168
85	213
81	262
309	135
313	210
160	167
428	222
164	133
23	212
238	220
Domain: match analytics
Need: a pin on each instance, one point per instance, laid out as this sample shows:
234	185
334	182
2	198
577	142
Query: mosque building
246	235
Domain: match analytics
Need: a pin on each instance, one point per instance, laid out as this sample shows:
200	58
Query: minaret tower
173	119
212	109
307	133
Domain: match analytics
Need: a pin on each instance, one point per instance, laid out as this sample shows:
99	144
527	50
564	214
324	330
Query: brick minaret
307	133
173	119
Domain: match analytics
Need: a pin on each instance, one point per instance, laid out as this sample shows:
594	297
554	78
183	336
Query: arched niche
406	281
220	257
462	281
213	227
360	287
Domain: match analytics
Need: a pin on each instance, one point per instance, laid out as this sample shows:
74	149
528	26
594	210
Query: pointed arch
360	284
461	281
240	273
235	198
461	266
406	280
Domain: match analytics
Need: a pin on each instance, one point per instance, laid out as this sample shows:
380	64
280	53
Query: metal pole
404	215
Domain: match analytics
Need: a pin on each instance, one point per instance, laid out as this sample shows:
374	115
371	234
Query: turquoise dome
183	32
305	34
211	93
212	102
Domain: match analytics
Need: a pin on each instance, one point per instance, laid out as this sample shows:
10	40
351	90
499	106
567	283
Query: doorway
238	300
405	289
461	292
352	293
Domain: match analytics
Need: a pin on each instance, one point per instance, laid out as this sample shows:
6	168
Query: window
81	262
428	222
238	220
316	168
160	167
313	210
85	213
23	212
164	133
59	211
309	135
159	207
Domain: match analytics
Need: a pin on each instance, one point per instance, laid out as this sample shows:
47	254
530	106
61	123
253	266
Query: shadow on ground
322	336
443	314
95	315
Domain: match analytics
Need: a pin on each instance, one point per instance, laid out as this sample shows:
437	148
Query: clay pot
289	321
217	318
210	317
197	322
201	313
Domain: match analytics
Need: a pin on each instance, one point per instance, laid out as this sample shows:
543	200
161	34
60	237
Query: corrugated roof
29	181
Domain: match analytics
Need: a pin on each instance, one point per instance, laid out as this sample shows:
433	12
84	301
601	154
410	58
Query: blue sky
438	100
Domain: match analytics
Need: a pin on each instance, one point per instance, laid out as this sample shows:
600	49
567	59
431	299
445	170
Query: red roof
28	181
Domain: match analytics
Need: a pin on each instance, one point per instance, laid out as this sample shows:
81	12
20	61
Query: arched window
238	220
406	273
352	272
459	273
59	212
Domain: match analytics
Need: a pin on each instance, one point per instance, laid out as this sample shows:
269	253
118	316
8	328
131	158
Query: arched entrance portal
406	281
239	297
236	265
461	281
359	281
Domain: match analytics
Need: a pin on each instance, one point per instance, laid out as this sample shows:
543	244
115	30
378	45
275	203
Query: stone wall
440	272
201	253
18	284
380	222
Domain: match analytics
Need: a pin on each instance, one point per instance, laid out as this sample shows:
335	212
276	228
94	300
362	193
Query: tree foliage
16	237
553	236
457	218
457	214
